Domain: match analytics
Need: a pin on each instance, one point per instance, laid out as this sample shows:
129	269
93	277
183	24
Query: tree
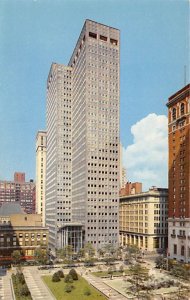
73	274
133	251
110	249
138	277
24	291
160	262
41	255
89	250
179	270
81	253
20	277
110	253
68	288
60	273
55	277
16	257
68	279
101	252
65	253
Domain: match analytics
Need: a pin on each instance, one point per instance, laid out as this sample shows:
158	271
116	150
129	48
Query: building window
92	35
113	42
175	249
103	38
182	250
174	114
182	109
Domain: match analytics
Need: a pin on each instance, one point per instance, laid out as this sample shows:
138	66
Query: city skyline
150	71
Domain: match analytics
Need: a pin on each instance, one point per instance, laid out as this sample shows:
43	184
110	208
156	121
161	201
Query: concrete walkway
6	292
102	287
38	289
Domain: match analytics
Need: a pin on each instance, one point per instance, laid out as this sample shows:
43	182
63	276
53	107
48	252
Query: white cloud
146	159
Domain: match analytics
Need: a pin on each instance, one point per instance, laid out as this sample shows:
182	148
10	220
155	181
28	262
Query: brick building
19	191
131	188
179	175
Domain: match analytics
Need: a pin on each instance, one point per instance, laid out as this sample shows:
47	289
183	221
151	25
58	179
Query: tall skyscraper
93	136
123	177
58	167
41	141
179	175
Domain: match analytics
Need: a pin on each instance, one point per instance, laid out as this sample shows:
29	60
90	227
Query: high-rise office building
58	166
41	141
93	134
123	177
179	175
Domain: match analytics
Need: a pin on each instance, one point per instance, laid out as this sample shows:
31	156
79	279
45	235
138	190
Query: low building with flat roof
143	219
20	231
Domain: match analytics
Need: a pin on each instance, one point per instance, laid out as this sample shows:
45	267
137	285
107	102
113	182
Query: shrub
73	274
55	277
60	273
24	291
68	278
87	292
20	278
68	288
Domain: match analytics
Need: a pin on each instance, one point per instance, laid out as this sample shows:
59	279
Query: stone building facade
143	220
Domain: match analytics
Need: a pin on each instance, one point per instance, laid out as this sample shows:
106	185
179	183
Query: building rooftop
179	95
151	192
11	208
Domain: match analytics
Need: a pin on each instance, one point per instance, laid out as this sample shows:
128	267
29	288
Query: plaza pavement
38	289
109	292
6	292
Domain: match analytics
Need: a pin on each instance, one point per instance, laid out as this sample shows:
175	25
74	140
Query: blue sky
33	34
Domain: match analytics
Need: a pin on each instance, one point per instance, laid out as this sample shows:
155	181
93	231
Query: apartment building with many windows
20	191
90	86
179	175
143	219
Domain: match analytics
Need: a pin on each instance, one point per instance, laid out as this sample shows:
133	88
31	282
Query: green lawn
105	273
57	289
115	273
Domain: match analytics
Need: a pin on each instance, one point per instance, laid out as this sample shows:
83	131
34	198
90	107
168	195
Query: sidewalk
102	287
5	287
37	287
